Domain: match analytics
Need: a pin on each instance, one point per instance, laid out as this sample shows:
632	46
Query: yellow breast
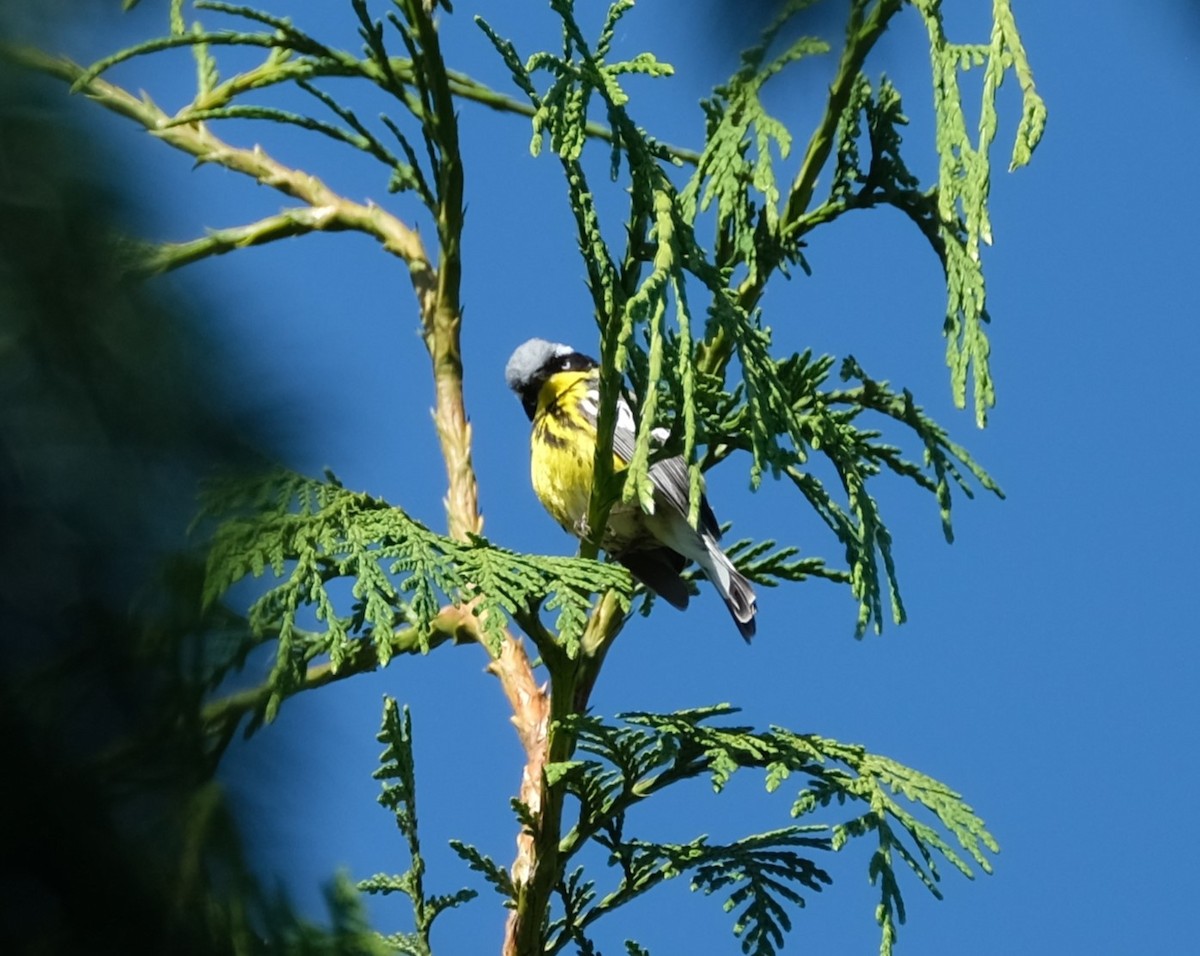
564	450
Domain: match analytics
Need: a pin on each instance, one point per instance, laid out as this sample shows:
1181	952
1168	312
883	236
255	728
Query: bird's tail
731	584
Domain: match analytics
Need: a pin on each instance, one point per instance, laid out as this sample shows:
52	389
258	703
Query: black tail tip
744	619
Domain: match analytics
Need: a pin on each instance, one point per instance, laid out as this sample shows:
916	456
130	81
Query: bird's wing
625	433
670	479
669	476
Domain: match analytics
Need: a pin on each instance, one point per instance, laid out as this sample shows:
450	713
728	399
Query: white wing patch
590	405
625	422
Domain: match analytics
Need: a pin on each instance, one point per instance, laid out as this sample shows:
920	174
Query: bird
559	389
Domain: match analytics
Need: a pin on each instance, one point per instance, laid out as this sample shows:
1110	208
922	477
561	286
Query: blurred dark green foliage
115	837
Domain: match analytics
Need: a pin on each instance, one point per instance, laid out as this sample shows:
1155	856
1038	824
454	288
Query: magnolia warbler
560	390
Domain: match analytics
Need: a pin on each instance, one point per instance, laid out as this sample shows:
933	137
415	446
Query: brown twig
456	623
533	707
197	140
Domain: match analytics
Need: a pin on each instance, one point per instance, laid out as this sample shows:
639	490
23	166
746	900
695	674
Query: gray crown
529	359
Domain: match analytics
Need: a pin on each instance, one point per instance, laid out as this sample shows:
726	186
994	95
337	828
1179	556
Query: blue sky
1048	668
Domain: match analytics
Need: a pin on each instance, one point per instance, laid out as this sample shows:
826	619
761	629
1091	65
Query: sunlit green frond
737	169
492	871
964	181
399	795
787	413
310	534
912	818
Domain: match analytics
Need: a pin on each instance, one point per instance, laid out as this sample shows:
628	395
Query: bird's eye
575	363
